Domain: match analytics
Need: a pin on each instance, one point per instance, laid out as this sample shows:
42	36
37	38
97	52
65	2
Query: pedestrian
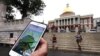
78	39
54	41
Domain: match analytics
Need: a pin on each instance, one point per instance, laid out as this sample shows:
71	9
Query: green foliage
26	7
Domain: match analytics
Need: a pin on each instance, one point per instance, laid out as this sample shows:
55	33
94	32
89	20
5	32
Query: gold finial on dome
67	5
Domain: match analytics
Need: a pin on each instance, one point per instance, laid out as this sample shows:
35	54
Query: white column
73	20
55	23
76	29
68	22
87	28
58	29
89	20
58	22
78	20
67	29
94	22
98	29
64	22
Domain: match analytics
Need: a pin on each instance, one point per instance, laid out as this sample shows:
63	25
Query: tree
26	7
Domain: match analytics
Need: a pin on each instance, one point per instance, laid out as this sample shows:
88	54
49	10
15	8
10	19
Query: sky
16	13
56	7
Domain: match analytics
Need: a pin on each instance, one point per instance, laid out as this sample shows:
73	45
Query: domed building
69	22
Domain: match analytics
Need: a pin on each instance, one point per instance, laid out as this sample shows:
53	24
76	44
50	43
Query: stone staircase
67	41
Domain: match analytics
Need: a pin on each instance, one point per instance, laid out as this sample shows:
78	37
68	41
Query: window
11	35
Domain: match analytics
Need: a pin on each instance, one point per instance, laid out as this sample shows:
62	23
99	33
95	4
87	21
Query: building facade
69	22
10	31
97	24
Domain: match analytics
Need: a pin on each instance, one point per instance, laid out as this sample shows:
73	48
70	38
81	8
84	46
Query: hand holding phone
42	49
28	40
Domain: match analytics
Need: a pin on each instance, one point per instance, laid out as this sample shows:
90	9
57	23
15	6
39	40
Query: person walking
79	40
54	41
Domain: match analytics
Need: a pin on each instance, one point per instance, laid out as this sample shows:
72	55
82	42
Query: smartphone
28	40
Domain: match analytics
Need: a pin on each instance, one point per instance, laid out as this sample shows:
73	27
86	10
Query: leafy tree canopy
25	7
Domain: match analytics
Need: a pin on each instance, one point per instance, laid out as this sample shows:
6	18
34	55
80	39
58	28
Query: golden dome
67	11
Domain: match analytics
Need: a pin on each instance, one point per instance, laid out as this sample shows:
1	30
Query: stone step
76	48
91	41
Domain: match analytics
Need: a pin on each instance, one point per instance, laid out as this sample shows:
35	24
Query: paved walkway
70	53
5	50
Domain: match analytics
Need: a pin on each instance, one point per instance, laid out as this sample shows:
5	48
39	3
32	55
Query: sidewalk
70	53
4	51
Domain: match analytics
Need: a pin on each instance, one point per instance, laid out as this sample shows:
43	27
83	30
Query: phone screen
28	40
